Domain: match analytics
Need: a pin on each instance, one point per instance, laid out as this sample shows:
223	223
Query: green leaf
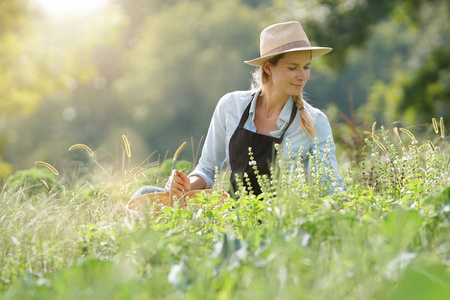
423	282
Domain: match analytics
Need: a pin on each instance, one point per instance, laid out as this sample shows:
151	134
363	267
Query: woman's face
291	73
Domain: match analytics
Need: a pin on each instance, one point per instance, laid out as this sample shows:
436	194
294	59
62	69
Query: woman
272	112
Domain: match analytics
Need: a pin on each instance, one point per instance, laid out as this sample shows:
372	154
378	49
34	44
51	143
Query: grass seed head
409	133
435	125
381	146
371	135
441	121
431	145
374	126
127	145
82	146
47	165
177	153
398	137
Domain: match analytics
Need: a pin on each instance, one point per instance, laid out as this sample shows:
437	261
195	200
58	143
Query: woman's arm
213	152
197	183
326	146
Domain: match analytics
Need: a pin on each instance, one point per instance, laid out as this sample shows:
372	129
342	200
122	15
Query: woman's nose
301	74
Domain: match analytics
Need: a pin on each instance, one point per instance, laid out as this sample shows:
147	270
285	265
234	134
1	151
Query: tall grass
387	236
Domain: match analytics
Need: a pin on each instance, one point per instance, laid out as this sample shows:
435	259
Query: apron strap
245	115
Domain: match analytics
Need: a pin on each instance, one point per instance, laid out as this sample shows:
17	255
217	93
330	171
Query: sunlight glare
64	8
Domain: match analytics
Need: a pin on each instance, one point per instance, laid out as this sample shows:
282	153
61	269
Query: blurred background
90	71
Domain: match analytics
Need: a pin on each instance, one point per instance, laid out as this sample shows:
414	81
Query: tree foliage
427	91
154	70
183	64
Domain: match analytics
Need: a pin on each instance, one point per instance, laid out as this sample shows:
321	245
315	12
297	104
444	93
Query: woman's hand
179	183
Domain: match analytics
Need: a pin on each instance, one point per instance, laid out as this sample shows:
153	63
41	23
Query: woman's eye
295	68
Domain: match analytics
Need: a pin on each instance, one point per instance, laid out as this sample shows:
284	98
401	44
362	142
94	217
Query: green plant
386	236
26	183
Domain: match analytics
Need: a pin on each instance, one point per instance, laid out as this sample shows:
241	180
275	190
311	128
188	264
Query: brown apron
262	149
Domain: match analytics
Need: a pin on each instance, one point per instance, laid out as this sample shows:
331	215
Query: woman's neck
271	103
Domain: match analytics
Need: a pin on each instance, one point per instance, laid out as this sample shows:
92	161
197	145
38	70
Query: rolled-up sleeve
214	152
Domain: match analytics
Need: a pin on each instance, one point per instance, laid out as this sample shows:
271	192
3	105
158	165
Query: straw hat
284	37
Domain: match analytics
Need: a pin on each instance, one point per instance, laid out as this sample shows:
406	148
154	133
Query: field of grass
387	236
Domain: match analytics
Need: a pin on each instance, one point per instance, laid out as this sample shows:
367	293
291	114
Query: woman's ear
266	68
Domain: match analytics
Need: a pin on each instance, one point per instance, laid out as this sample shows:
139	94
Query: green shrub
386	236
32	182
166	167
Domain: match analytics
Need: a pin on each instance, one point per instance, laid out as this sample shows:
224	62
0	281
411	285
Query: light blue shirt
226	118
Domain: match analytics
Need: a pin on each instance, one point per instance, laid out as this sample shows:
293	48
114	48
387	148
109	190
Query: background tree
71	63
188	56
17	92
154	70
396	37
380	50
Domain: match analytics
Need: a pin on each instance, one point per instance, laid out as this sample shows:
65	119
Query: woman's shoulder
314	113
236	98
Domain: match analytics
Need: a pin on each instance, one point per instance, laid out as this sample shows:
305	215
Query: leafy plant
32	182
384	237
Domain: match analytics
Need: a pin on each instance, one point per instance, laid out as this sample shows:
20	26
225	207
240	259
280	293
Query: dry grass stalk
175	156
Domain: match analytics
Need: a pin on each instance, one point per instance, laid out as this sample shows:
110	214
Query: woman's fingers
185	181
177	182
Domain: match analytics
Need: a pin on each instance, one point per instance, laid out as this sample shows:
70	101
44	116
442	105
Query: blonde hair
259	78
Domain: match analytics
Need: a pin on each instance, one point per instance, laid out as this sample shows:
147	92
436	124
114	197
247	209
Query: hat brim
315	52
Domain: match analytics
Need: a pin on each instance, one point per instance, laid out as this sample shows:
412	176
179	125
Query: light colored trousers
148	189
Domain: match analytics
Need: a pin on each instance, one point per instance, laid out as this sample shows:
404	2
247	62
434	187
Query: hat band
297	44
